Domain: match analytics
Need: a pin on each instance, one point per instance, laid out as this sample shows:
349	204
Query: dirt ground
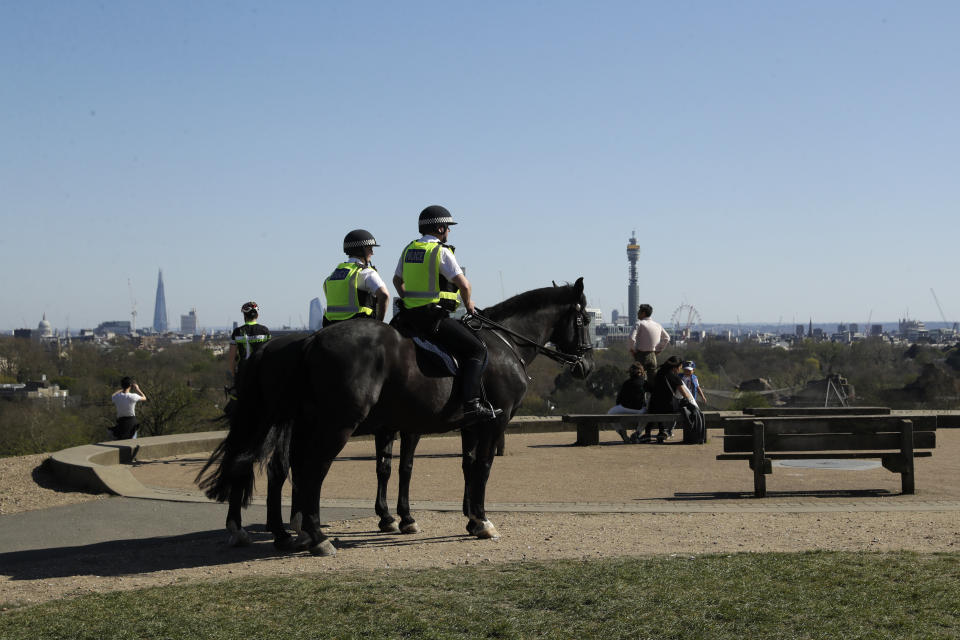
536	469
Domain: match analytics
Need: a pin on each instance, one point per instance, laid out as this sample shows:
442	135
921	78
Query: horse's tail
231	465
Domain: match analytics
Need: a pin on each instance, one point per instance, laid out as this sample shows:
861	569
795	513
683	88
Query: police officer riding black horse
429	278
317	392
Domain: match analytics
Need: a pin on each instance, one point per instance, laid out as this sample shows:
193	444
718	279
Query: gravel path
615	473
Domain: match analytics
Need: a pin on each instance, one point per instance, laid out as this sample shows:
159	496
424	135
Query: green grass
782	596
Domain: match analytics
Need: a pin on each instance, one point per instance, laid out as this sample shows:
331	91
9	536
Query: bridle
476	321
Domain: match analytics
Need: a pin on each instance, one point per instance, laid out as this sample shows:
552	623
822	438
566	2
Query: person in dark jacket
666	389
631	399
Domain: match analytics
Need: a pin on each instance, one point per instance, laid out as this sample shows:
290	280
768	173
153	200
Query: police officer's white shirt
368	279
449	267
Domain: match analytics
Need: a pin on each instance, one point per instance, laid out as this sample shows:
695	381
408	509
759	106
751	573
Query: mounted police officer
355	289
245	340
428	279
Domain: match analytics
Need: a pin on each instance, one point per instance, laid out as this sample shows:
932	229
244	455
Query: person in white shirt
126	399
647	339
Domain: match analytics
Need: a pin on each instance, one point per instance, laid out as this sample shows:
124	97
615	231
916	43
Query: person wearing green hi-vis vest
245	340
355	289
428	279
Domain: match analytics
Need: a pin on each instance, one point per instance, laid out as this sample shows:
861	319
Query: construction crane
133	308
937	300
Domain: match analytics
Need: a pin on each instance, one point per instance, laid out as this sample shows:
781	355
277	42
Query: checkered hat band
443	220
360	243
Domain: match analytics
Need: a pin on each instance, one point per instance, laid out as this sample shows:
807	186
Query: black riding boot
474	410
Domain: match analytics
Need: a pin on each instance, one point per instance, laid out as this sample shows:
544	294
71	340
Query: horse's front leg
478	449
384	445
408	447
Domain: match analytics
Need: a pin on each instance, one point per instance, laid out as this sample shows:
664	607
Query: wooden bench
891	438
817	411
589	424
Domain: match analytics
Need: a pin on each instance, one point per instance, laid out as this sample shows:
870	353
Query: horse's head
570	334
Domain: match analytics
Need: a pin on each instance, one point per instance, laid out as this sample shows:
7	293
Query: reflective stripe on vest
340	288
421	275
249	342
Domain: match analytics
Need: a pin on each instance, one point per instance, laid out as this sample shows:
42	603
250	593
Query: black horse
309	395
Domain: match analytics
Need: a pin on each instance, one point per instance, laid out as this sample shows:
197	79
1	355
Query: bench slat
815	456
829	441
817	411
827	424
628	418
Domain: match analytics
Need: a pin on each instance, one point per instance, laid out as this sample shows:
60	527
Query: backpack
694	428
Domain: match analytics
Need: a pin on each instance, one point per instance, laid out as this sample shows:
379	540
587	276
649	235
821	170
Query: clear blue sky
777	160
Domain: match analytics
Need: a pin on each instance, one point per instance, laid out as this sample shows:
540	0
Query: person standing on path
126	399
647	339
691	382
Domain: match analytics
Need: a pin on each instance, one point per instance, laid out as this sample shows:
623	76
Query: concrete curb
105	467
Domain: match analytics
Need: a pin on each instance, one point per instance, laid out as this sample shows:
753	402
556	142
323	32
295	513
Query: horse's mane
530	301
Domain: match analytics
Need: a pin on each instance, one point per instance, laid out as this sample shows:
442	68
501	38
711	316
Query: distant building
799	331
36	390
596	318
316	314
116	327
876	330
912	330
160	307
188	323
633	288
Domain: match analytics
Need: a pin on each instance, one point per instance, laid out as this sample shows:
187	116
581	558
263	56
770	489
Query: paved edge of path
105	467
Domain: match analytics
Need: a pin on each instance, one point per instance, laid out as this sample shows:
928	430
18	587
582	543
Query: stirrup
475	411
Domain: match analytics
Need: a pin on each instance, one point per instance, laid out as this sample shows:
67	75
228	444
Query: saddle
427	351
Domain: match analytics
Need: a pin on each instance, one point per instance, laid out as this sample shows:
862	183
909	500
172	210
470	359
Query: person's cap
689	365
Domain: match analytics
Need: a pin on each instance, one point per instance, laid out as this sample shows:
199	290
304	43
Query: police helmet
357	239
435	215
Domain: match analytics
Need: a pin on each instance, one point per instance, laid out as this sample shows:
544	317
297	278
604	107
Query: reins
476	322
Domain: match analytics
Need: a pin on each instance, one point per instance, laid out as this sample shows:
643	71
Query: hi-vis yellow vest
421	277
343	298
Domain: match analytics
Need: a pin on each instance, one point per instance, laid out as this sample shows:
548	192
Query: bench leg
759	483
906	448
587	435
759	479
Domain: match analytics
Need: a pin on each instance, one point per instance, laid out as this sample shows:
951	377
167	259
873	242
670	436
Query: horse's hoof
323	548
238	536
410	527
486	531
389	526
283	542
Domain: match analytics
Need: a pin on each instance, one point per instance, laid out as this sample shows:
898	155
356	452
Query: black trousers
125	428
471	354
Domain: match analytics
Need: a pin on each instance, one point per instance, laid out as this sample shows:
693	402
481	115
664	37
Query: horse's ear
578	285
